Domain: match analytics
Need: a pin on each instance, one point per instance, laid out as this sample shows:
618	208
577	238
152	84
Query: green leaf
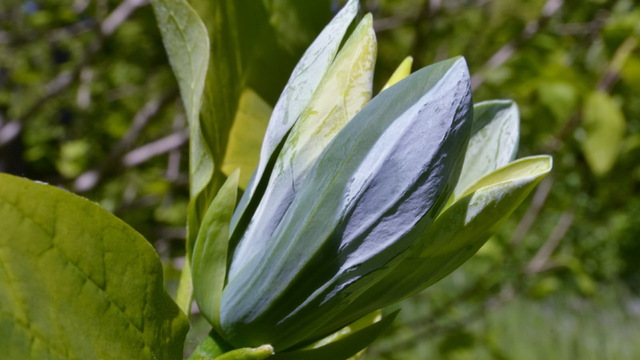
243	148
78	283
296	96
493	143
605	126
390	169
209	260
403	70
214	348
257	353
344	90
456	234
343	348
210	348
187	44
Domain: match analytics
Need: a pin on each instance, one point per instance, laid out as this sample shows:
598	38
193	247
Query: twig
506	51
155	148
89	179
533	210
540	261
119	15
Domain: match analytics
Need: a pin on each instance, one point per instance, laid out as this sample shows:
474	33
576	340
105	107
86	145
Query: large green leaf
493	143
605	126
456	234
209	260
387	171
344	90
295	97
78	283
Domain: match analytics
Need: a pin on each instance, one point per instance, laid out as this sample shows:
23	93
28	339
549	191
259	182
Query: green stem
213	347
184	297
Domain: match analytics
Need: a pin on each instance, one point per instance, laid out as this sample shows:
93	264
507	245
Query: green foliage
210	251
79	283
554	62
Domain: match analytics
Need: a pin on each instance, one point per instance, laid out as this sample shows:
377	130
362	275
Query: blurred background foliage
88	102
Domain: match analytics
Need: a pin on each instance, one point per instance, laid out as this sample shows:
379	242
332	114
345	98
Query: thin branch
89	179
158	147
540	261
119	15
529	218
503	54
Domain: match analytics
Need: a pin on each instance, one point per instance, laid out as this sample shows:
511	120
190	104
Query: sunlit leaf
403	70
78	283
493	143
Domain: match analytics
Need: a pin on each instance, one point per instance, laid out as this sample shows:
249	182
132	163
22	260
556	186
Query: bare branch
507	50
158	147
540	261
531	215
119	15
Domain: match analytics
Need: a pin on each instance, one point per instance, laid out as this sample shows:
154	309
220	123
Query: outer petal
294	99
342	93
456	234
493	143
389	170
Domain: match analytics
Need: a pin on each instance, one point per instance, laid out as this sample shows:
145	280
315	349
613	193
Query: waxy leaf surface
344	90
295	97
387	171
456	234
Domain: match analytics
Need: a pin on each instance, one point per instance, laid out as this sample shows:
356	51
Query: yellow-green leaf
78	283
403	70
605	126
245	138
